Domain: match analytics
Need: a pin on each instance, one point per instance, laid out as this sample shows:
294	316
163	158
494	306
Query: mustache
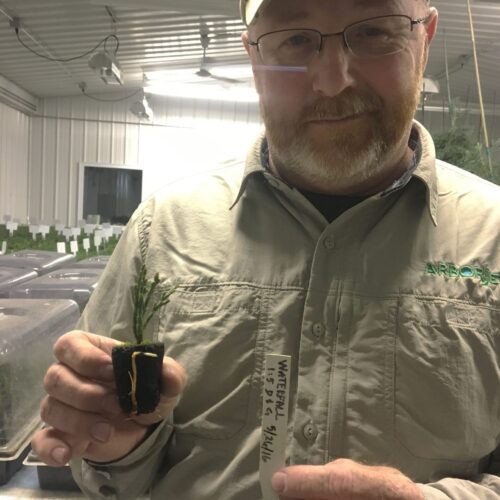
341	106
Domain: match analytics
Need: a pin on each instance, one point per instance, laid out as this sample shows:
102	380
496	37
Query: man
348	247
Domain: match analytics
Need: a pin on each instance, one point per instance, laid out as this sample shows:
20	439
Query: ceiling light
107	67
208	92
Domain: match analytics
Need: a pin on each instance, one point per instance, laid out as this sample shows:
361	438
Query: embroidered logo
483	274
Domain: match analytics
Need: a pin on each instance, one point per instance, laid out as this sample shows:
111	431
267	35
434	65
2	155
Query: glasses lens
289	47
380	36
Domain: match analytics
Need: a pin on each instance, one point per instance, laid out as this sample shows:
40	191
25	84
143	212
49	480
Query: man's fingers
56	448
86	354
83	425
69	387
304	481
174	378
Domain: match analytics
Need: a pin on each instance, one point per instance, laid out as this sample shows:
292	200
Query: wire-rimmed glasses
373	37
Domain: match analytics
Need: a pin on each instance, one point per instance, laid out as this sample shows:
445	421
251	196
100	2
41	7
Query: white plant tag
76	231
34	230
97	240
107	232
4	248
59	227
73	245
67	233
275	401
86	244
118	230
89	228
61	247
11	227
45	230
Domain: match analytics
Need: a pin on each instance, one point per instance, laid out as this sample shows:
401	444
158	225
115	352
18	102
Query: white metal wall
14	161
179	140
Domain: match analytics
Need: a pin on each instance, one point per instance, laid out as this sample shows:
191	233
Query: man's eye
372	32
297	41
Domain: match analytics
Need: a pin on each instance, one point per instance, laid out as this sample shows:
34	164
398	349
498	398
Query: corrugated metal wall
75	130
40	156
14	161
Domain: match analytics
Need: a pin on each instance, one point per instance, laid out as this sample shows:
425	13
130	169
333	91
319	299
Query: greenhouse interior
106	105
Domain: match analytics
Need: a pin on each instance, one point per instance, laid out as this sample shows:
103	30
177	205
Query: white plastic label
76	231
45	230
97	239
73	245
86	244
11	227
4	248
67	233
34	230
275	401
89	228
61	247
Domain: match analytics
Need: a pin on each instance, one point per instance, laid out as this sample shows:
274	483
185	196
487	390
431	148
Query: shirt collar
422	167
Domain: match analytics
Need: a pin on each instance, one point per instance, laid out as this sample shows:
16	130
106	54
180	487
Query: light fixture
208	92
142	109
430	86
107	67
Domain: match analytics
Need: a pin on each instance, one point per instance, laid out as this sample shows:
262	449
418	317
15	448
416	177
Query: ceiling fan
204	72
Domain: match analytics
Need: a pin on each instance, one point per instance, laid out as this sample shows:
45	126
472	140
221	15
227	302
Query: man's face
309	145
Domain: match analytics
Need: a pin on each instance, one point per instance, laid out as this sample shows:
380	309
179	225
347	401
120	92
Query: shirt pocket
447	375
213	331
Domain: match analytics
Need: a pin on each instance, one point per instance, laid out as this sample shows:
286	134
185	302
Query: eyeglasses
374	37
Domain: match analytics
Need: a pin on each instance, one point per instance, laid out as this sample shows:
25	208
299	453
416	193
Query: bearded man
345	245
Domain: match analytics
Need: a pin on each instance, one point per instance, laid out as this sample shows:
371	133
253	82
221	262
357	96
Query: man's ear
431	25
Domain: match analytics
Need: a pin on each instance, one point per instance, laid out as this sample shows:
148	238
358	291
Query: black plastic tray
9	467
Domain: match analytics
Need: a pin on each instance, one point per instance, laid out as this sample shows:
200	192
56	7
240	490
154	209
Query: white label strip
275	401
73	245
61	247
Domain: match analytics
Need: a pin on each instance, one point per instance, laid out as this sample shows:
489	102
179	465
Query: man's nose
331	69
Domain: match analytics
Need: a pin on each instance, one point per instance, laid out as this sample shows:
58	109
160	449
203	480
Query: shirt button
310	432
107	491
318	330
329	242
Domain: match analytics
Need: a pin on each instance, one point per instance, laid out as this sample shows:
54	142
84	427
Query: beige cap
249	9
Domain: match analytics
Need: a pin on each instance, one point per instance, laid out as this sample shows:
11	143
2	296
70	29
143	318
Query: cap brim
249	9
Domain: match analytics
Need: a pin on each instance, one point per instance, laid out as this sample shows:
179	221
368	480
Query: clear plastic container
11	277
99	262
28	330
67	283
40	261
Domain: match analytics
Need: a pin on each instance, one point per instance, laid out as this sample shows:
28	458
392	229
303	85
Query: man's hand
344	479
81	409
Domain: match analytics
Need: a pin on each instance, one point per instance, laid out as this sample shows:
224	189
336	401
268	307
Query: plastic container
28	330
40	261
67	283
52	478
11	277
99	262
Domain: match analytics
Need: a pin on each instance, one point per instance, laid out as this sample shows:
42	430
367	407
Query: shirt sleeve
484	486
127	478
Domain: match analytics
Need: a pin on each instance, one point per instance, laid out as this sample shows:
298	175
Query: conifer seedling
137	366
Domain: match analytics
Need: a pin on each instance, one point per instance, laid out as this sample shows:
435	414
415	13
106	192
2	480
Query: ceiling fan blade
225	79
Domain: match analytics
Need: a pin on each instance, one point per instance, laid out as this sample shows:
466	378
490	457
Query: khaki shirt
391	314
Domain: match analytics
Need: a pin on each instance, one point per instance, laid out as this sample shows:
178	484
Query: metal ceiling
159	39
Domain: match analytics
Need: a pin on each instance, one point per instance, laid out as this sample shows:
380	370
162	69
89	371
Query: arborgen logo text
483	274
